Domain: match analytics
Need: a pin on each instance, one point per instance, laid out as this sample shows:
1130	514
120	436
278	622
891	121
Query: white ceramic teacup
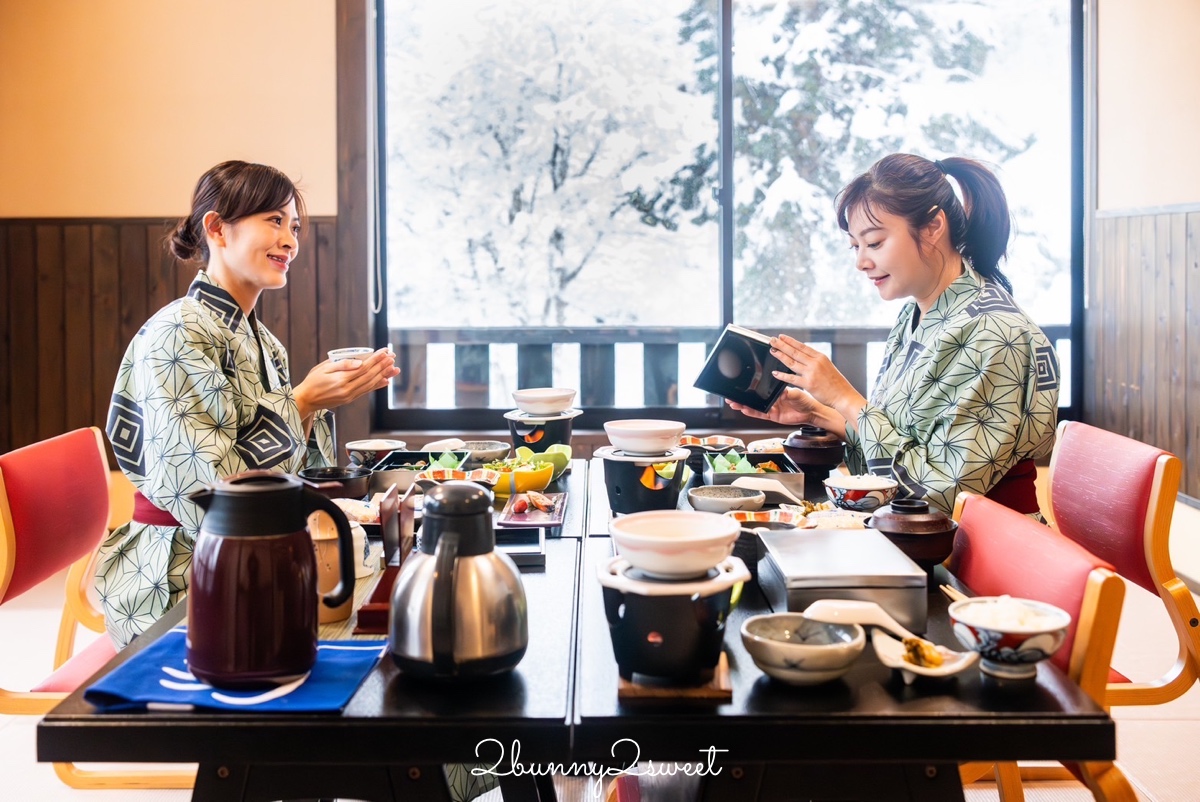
369	452
338	354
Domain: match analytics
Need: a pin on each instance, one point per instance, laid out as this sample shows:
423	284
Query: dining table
867	735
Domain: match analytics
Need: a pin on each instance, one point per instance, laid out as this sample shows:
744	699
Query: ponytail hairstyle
234	190
915	188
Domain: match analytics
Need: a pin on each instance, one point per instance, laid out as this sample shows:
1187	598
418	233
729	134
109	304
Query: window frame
467	419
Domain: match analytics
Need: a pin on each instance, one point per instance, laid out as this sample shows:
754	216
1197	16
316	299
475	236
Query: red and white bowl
674	544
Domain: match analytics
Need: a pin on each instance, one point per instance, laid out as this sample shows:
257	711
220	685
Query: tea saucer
891	653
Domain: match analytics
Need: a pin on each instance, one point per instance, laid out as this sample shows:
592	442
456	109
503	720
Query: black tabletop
390	715
868	715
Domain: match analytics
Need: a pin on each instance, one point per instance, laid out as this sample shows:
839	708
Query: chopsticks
953	593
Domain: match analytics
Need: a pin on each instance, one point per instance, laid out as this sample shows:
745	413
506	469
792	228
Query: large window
584	192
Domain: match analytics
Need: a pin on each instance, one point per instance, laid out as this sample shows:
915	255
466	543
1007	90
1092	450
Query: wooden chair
998	551
54	512
1115	497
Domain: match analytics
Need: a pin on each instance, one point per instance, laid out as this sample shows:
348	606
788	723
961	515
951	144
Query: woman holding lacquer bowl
204	390
967	396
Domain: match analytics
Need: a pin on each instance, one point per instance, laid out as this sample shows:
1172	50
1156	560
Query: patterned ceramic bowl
1011	635
723	498
795	650
861	493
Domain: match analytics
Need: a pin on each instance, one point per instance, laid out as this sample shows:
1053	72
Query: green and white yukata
198	397
962	396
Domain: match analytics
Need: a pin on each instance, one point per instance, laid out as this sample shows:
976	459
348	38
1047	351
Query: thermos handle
345	588
442	603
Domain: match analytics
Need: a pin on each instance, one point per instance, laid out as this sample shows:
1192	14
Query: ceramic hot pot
635	484
668	630
539	432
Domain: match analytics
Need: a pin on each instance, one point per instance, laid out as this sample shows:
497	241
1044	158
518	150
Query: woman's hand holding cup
334	383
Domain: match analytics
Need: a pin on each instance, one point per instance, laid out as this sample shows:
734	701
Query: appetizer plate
891	653
533	517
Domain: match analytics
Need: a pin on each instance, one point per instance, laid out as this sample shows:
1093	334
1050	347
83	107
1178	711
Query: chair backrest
1115	496
53	507
999	551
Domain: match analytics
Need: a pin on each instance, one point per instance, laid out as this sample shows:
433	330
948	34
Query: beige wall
113	108
1148	113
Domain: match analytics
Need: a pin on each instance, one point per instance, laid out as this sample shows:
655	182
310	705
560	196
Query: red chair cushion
57	493
76	671
1117	678
998	551
1100	496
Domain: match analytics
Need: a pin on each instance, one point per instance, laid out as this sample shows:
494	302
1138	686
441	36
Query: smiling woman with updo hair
205	391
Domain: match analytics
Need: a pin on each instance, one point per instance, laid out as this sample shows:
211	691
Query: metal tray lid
839	558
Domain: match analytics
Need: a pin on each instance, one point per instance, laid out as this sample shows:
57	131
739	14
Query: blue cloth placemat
157	678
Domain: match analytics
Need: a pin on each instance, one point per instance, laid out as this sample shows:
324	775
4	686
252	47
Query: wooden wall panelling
133	271
77	333
162	269
1192	414
5	354
326	325
353	19
51	413
302	307
106	331
1119	358
1177	351
22	315
1108	311
1149	331
1093	382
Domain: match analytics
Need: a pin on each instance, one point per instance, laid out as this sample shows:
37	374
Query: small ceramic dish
784	518
836	519
725	498
891	653
771	445
716	442
799	651
481	476
482	451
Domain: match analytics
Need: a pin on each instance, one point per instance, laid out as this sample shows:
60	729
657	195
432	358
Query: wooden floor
1156	746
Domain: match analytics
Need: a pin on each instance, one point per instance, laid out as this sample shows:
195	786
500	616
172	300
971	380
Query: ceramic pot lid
617	455
812	437
526	417
910	516
617	573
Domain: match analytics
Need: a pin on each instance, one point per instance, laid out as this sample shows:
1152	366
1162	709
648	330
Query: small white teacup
338	354
369	452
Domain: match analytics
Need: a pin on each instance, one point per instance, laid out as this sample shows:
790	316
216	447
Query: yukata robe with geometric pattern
193	402
965	395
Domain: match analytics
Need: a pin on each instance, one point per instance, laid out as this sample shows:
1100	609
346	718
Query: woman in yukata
205	391
967	396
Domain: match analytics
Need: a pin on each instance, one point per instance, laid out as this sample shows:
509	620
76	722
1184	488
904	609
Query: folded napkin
157	678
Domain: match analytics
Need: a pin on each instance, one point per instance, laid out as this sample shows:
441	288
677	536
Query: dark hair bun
184	243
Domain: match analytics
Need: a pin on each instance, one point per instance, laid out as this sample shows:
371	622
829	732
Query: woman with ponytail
967	396
205	391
